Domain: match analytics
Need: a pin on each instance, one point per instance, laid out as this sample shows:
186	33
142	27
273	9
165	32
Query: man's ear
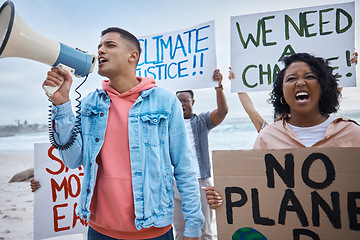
193	101
134	56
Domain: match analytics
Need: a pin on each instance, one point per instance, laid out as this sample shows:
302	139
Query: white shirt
311	135
193	149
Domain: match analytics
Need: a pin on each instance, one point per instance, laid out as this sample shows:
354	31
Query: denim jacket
159	151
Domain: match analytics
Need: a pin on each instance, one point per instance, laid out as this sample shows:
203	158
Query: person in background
133	143
198	128
305	94
248	105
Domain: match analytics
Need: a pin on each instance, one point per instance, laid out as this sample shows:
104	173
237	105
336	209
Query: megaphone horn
17	39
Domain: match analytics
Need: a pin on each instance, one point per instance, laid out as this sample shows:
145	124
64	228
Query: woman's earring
282	101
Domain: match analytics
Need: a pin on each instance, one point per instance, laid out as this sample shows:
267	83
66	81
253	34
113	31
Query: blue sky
79	23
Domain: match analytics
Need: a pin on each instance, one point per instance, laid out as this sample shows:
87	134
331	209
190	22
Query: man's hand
59	77
213	197
35	185
217	77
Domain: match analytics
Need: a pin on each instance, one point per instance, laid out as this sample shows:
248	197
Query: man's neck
189	116
123	83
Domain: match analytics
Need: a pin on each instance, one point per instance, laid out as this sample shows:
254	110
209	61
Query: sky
79	24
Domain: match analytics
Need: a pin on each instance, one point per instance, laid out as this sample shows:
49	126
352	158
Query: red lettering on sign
57	218
62	166
55	186
77	184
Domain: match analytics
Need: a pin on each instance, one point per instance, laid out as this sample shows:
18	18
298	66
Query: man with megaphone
132	142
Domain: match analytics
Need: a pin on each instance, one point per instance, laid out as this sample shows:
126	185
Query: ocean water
23	142
232	134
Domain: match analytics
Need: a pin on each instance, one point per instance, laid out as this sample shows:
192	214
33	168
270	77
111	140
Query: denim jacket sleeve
63	123
185	174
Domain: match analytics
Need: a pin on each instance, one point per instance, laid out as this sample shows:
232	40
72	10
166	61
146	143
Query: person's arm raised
248	106
219	114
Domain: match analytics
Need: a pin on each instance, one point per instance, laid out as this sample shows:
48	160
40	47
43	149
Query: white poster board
180	60
56	199
260	41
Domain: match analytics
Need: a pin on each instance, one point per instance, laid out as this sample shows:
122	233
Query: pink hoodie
112	206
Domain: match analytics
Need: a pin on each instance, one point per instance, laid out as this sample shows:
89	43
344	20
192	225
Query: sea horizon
232	134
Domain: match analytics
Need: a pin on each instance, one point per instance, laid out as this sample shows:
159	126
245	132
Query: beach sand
16	199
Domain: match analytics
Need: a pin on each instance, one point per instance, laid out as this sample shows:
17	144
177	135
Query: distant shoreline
12	130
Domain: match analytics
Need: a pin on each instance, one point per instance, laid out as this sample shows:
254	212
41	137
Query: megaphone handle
49	90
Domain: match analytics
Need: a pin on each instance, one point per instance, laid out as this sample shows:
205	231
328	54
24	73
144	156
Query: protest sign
180	60
56	199
288	194
260	41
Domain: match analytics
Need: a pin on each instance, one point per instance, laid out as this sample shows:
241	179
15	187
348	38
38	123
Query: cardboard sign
260	41
180	60
288	194
56	199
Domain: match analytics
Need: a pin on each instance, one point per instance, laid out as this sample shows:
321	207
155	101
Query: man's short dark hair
188	91
125	35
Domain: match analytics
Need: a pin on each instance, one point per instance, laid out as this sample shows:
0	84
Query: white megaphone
18	40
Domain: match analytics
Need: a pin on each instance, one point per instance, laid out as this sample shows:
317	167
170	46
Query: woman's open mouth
302	97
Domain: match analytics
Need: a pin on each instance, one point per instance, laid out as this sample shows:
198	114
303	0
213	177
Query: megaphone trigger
50	90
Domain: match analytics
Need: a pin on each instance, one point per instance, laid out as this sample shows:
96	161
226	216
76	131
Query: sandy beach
16	199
